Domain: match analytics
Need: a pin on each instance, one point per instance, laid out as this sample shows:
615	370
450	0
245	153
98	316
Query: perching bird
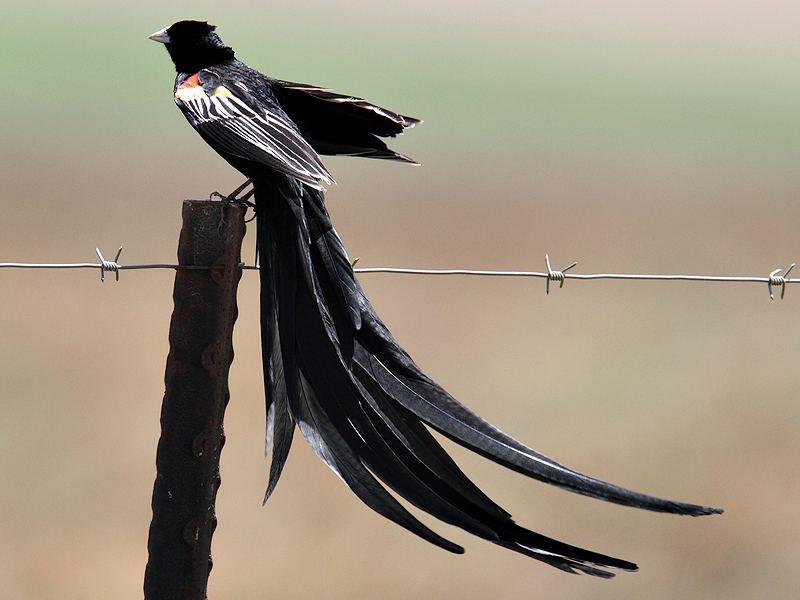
330	364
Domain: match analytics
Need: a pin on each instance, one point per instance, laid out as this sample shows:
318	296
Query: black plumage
330	365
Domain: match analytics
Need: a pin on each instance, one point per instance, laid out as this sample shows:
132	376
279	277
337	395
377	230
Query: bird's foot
234	195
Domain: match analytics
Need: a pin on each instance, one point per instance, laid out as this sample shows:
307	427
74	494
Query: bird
331	367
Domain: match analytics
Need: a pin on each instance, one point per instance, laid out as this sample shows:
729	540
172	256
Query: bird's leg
233	196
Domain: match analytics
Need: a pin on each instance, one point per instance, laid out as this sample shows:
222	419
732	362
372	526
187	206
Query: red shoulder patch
191	82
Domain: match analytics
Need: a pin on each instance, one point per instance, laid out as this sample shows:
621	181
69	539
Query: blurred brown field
631	138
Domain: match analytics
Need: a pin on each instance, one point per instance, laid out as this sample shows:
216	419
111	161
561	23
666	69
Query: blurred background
630	136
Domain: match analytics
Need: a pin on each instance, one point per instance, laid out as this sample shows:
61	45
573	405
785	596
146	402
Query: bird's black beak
160	36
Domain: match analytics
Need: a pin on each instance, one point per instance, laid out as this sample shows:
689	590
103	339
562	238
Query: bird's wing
339	124
237	126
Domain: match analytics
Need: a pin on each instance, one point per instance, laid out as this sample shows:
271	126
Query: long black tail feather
280	424
332	367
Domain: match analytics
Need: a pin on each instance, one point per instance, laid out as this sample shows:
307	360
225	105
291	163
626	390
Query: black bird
330	364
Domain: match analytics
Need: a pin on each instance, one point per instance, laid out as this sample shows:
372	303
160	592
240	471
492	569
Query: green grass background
629	136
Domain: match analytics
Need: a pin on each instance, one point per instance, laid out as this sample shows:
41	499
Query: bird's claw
234	195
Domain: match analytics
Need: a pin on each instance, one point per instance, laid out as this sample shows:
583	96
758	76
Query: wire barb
108	265
775	279
555	275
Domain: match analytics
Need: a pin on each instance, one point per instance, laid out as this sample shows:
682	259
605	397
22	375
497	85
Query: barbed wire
774	279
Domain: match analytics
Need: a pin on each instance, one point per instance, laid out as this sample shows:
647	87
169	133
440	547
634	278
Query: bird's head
193	45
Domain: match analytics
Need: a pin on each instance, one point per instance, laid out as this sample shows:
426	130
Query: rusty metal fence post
200	355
